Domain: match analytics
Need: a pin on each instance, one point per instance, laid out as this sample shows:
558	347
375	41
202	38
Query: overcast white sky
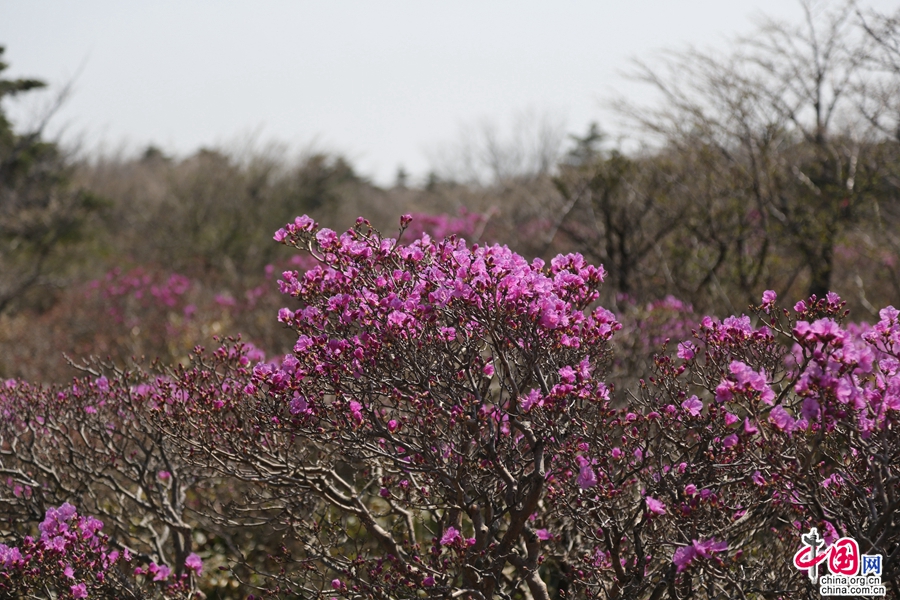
383	81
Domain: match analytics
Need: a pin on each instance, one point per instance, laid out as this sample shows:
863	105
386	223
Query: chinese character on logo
844	557
808	556
871	564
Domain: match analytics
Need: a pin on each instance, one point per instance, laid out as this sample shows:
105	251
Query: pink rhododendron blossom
782	419
587	478
194	563
298	404
683	557
686	350
686	555
532	399
451	535
655	505
159	572
693	405
356	411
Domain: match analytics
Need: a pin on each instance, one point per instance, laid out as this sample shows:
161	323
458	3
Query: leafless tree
777	127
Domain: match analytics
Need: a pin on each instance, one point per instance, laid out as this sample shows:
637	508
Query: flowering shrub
94	443
781	427
71	558
434	388
443	428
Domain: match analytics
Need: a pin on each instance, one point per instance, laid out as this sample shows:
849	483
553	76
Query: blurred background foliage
776	166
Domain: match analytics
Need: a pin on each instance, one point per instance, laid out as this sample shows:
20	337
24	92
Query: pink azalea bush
444	427
71	558
95	443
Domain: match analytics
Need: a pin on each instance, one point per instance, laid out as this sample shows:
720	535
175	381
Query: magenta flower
692	405
398	319
686	350
326	237
298	404
194	563
707	548
9	556
684	556
781	419
810	409
724	391
79	591
567	374
451	535
655	505
530	400
586	477
356	411
162	572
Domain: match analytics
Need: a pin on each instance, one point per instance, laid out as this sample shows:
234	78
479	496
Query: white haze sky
385	82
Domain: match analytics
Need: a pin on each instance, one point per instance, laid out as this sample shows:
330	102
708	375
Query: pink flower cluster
744	380
369	291
73	556
143	287
705	549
